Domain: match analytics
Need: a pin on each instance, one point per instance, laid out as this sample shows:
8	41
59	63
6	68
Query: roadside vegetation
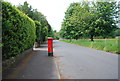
96	21
109	45
22	26
90	20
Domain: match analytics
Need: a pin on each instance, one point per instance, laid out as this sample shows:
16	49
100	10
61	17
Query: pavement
36	65
69	62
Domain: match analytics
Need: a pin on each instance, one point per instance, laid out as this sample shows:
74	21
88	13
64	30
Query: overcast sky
52	9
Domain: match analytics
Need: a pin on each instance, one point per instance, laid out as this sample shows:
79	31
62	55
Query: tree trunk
104	37
76	38
91	37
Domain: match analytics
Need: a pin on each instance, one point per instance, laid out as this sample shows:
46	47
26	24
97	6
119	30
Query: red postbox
50	46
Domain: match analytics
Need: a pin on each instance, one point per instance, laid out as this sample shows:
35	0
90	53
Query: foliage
26	8
44	29
89	19
117	32
38	31
50	32
18	31
106	14
71	25
109	45
56	35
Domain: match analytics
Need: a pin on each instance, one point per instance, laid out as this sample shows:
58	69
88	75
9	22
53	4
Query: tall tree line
43	28
89	19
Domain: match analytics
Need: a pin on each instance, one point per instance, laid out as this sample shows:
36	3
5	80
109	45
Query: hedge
18	31
38	32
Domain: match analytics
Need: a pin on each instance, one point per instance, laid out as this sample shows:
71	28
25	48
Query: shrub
38	32
18	31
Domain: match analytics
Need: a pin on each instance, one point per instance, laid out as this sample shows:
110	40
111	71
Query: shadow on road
36	65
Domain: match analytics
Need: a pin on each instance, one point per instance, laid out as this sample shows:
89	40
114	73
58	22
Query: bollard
50	46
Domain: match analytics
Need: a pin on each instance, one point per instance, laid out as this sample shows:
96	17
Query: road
77	62
69	62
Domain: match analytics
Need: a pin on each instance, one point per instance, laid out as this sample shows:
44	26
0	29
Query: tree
89	19
56	35
117	32
43	29
70	29
26	8
77	17
106	14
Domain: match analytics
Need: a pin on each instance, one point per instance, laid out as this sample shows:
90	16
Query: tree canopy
43	28
89	19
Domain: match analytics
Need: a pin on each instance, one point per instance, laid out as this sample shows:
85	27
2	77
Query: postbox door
50	46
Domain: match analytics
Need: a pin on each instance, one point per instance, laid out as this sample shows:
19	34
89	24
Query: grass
109	45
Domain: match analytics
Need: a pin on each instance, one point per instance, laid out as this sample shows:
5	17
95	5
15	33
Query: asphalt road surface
77	62
69	62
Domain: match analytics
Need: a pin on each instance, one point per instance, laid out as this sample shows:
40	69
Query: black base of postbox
50	54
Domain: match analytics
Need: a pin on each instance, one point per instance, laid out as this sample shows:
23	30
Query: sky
54	10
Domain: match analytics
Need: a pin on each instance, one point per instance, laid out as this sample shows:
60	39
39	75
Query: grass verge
109	45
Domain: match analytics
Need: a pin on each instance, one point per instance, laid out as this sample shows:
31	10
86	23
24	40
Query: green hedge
41	32
38	32
18	32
